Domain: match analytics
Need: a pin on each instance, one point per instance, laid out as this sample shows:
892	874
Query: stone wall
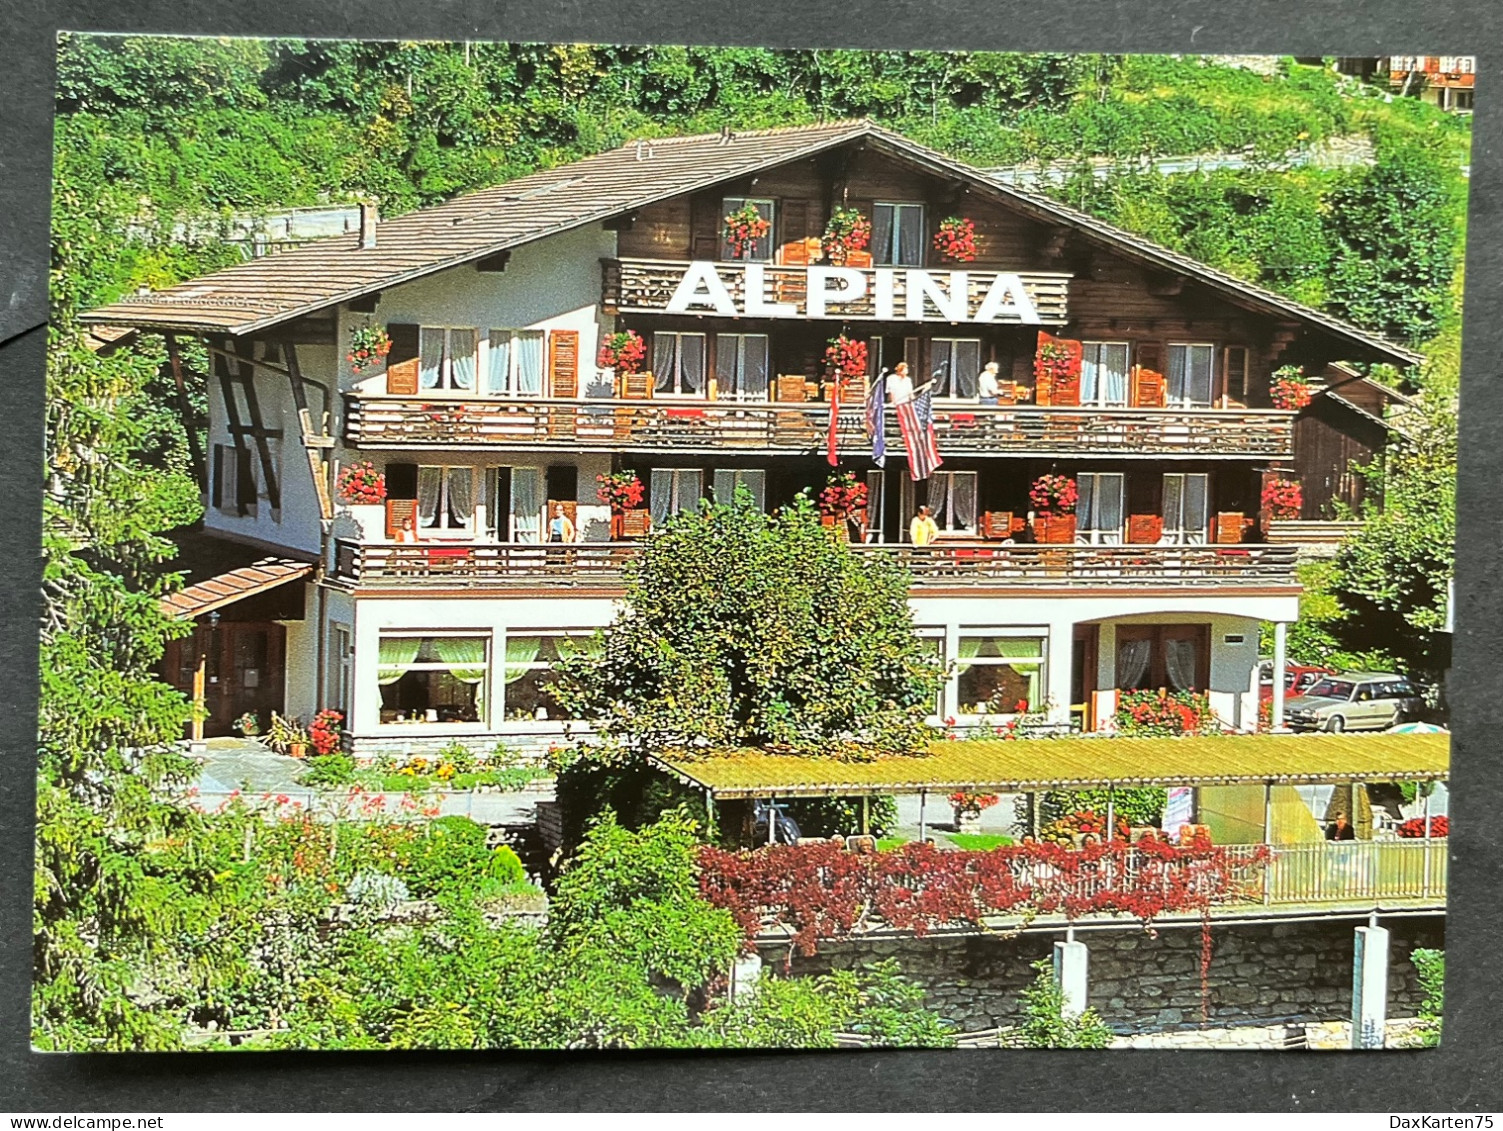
1259	974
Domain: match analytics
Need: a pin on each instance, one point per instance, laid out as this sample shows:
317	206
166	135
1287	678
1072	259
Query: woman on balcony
560	529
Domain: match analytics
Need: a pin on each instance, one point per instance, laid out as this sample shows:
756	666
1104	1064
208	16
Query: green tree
1047	1027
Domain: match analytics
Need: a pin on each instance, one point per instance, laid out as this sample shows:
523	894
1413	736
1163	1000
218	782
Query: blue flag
876	418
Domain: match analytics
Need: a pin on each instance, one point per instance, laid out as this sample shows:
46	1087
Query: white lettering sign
847	292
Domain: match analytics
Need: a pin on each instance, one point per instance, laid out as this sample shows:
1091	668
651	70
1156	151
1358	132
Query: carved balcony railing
719	426
600	565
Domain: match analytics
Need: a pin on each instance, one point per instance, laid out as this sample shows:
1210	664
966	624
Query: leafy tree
1047	1027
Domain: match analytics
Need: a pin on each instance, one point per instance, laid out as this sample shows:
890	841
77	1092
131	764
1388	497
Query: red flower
956	239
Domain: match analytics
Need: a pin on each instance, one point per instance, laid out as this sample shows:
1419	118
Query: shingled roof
253	296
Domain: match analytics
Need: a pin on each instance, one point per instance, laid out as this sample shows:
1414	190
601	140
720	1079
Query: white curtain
461	494
530	362
397	654
1132	662
660	495
664	355
882	250
963	500
462	344
939	498
498	363
1174	506
753	385
431	363
527	503
911	236
692	364
430	483
966	368
1114	358
1197	508
1179	663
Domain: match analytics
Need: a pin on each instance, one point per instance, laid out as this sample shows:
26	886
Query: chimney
370	216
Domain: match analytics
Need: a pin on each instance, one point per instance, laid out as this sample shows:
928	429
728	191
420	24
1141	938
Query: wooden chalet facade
490	415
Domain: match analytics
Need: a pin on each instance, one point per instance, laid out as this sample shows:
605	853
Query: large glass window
531	673
514	363
898	235
446	498
1098	514
434	679
760	250
952	501
674	489
678	364
955	365
1186	508
727	480
999	674
1103	374
741	367
1191	371
447	357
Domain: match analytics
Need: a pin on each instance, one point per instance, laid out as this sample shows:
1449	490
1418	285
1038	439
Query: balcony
713	427
599	566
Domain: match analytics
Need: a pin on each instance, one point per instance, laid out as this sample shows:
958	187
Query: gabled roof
264	292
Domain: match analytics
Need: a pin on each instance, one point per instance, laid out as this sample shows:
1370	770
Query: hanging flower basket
1290	390
743	228
956	239
1054	495
846	232
361	483
845	358
842	497
1283	499
621	490
369	346
623	351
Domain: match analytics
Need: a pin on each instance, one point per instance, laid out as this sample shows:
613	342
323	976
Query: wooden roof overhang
233	585
1025	765
255	296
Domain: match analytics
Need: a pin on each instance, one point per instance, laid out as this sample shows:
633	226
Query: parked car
1298	678
1354	701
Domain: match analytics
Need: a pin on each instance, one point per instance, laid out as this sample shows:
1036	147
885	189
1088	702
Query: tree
746	629
1046	1025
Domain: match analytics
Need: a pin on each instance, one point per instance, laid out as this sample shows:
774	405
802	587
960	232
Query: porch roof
233	585
1014	766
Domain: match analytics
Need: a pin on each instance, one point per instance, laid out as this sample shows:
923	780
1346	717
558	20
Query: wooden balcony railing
586	565
645	286
720	426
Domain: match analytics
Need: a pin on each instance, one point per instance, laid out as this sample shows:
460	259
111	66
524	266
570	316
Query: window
446	498
678	364
234	480
726	482
1186	508
760	250
741	367
1098	513
1190	374
998	674
337	693
1234	365
531	673
1332	689
514	363
435	679
674	489
955	364
1103	374
952	501
1175	656
898	235
447	358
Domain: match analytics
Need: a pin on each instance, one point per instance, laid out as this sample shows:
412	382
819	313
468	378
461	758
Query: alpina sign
757	290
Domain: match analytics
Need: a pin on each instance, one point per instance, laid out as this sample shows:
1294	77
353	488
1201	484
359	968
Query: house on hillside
432	607
1446	81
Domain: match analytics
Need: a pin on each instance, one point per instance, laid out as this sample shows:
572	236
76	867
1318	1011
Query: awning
233	585
1014	766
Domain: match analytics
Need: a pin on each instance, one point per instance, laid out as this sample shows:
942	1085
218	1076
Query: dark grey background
1465	1074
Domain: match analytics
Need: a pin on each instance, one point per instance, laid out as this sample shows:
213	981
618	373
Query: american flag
916	419
876	418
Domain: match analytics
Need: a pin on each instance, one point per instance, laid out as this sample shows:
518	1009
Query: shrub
1047	1027
451	855
1431	966
841	816
328	770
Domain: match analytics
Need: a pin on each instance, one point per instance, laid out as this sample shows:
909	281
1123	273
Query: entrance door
1083	666
244	670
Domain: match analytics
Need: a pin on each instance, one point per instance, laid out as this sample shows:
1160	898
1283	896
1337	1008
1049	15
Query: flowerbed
822	892
1163	713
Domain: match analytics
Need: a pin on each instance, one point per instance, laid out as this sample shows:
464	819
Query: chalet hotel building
490	407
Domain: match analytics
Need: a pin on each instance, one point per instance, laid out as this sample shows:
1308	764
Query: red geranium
842	496
1415	827
956	239
846	358
1282	498
621	490
623	351
368	346
361	483
325	731
743	228
1054	494
1290	390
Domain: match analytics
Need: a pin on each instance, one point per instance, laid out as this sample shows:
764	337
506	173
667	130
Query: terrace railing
680	425
585	565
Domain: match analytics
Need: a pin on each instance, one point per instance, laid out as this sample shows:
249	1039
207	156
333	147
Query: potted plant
956	239
743	228
968	807
1290	390
287	736
369	346
248	725
1283	499
841	501
624	351
361	483
847	231
325	731
1056	370
845	359
1054	498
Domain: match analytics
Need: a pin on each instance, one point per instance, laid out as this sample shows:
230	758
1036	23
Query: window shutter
402	361
563	482
1151	356
399	511
245	481
563	363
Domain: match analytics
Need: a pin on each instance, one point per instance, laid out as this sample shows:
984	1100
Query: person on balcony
923	530
986	385
1340	829
407	531
560	529
900	385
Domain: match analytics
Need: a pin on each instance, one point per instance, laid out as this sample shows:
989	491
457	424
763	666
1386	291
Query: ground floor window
996	673
435	679
1173	656
932	645
337	694
531	673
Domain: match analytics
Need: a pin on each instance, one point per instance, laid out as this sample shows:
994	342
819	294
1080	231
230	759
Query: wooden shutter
402	361
563	482
245	481
1151	355
563	363
399	511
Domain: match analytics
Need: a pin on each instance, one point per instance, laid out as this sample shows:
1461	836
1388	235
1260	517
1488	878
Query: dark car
1354	701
